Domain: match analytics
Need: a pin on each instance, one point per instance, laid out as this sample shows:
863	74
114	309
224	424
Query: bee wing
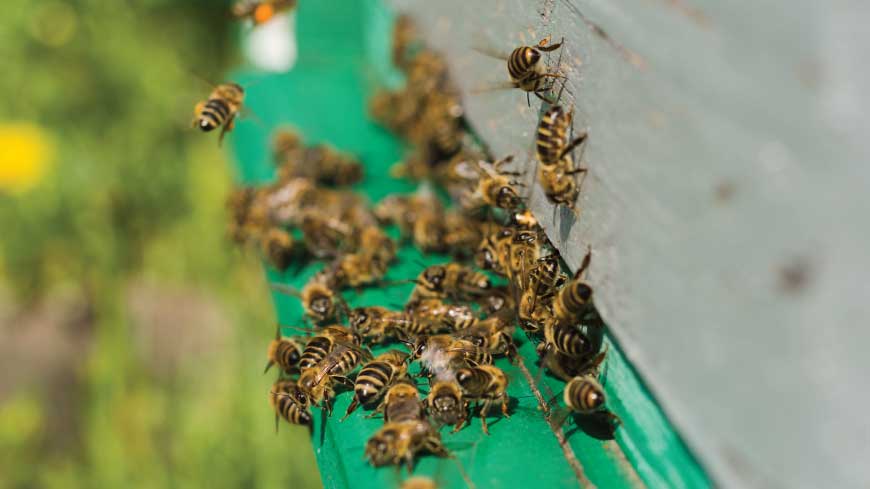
486	47
492	87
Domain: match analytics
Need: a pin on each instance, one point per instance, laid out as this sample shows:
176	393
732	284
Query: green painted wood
343	46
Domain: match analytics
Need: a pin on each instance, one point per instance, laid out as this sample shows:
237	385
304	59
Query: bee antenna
285	289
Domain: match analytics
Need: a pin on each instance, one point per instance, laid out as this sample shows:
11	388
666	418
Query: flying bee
398	443
376	377
261	11
573	303
284	352
319	346
453	280
446	404
434	316
316	383
277	246
283	399
495	188
220	109
486	385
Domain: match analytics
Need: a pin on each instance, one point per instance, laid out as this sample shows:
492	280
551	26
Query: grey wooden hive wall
726	206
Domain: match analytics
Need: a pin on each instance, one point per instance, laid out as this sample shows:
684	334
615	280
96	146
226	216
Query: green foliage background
132	334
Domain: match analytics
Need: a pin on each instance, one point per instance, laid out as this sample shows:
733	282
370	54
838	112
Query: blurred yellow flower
26	150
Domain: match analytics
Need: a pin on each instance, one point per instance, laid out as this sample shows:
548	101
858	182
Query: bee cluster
460	315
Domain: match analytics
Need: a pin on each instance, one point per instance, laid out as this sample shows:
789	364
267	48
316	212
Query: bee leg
409	461
543	44
353	405
227	127
483	412
504	406
343	380
528	100
542	97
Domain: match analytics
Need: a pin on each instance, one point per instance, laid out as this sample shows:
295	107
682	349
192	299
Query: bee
446	404
286	145
493	335
277	247
566	339
495	187
316	383
320	162
559	185
320	301
453	280
284	401
499	299
463	234
524	220
220	109
566	367
418	216
441	355
486	385
573	303
378	324
551	140
397	443
528	72
261	11
583	394
285	352
248	215
376	377
541	286
402	403
369	264
434	316
318	347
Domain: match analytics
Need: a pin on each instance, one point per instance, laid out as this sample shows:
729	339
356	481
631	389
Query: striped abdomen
288	409
584	394
315	350
558	185
573	301
522	68
552	136
213	114
346	361
570	340
371	382
285	353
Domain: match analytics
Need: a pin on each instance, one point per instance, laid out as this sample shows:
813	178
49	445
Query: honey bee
541	286
321	163
551	140
402	403
493	335
316	383
376	377
277	247
247	212
398	443
487	385
318	347
285	352
495	188
368	265
377	324
220	109
320	301
573	303
286	145
434	316
441	355
559	185
446	404
463	234
418	216
527	71
566	339
566	367
283	399
584	394
453	280
261	11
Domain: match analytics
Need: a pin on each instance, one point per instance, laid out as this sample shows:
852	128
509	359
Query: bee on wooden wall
527	69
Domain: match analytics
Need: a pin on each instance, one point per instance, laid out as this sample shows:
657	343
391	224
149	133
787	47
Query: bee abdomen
315	351
520	61
584	395
371	381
